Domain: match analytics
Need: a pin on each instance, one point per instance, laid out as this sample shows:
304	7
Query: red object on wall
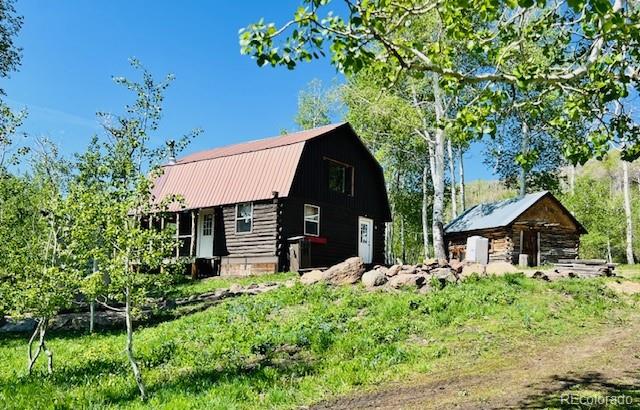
316	239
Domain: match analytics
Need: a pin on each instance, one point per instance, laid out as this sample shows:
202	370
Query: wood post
178	233
192	245
539	251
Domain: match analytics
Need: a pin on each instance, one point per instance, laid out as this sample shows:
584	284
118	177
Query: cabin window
311	220
207	225
244	217
340	177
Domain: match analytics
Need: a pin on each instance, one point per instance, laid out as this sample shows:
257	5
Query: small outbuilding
536	225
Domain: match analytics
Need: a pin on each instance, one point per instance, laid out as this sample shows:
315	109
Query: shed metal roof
245	172
496	214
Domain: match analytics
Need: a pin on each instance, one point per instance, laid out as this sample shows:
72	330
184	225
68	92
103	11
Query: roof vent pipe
171	144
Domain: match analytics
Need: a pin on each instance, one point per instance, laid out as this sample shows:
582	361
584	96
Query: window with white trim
244	217
311	220
340	177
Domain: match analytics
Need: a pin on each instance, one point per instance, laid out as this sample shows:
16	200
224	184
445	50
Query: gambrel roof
250	171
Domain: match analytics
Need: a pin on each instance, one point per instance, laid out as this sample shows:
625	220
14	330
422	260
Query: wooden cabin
537	225
297	201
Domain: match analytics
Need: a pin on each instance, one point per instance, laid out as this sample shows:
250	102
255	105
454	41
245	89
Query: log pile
584	268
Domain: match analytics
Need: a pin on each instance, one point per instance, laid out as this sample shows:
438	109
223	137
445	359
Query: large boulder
406	280
393	270
476	268
408	270
456	265
312	277
445	275
500	268
374	278
345	273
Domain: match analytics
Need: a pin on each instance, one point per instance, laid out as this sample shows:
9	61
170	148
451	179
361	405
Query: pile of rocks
421	276
352	271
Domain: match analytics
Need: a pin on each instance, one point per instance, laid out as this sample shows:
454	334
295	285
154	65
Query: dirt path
607	362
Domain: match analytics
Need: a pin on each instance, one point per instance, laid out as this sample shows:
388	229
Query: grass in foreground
195	287
297	345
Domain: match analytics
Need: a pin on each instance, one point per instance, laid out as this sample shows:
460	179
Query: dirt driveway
603	364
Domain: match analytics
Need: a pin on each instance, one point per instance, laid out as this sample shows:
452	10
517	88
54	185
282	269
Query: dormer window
340	177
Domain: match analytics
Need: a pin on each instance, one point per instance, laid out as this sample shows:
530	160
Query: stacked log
584	268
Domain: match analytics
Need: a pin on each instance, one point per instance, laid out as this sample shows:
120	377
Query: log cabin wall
255	251
558	238
501	247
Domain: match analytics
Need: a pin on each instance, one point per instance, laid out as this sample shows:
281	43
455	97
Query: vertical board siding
338	212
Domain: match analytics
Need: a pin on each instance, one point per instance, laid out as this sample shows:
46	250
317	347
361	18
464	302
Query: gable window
311	220
340	177
244	217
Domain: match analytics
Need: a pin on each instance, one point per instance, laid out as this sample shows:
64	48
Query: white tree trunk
129	348
572	179
463	204
425	211
452	175
437	176
627	211
524	150
40	330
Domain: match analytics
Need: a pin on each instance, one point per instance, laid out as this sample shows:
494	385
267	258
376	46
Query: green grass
628	271
194	287
234	355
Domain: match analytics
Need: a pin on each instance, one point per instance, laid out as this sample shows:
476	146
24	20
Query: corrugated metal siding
245	177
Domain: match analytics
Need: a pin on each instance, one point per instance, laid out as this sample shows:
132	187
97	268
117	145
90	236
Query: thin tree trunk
452	175
425	211
41	330
31	357
627	211
609	258
92	315
129	348
92	304
403	244
462	187
524	150
437	176
572	179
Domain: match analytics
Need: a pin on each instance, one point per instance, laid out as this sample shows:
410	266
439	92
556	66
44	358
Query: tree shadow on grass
258	370
570	391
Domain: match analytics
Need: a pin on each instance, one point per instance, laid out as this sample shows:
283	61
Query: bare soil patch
604	364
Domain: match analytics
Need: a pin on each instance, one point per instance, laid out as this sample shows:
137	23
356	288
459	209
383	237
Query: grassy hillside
297	345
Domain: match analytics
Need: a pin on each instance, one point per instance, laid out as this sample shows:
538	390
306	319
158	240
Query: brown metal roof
245	172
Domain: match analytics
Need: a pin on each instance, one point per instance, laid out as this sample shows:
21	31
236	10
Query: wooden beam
178	233
538	264
192	245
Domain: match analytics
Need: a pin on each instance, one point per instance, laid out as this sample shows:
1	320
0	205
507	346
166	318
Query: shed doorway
530	246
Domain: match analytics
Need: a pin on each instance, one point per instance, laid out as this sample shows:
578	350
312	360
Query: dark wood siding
338	225
338	212
261	241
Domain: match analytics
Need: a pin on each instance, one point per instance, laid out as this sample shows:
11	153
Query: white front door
365	239
205	234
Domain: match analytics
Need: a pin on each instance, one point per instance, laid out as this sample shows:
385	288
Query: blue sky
72	49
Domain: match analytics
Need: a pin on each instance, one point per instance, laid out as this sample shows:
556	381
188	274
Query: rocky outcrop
312	277
374	278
